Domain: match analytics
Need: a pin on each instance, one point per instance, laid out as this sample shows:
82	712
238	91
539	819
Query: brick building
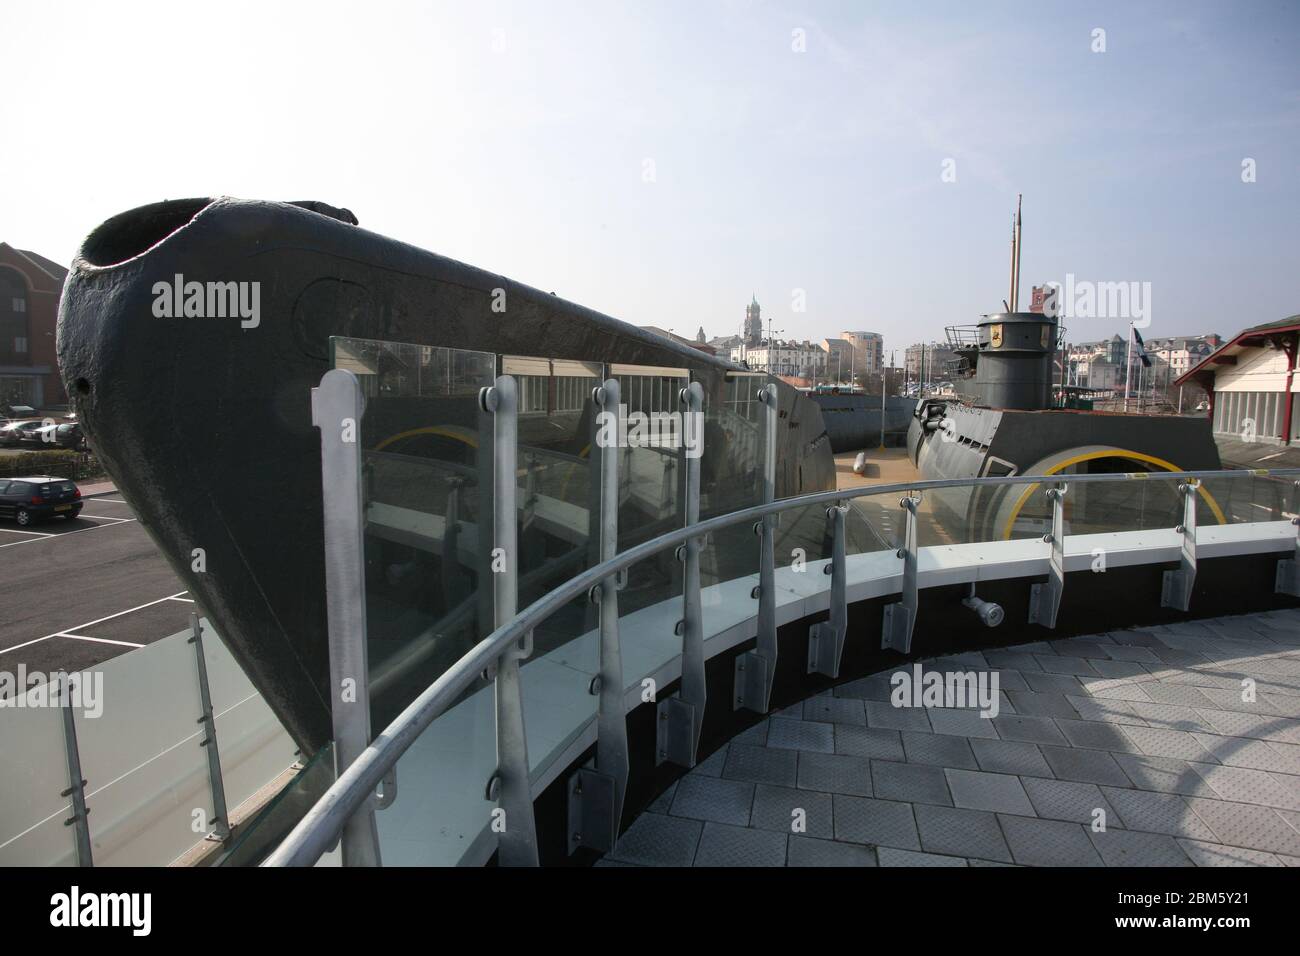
30	288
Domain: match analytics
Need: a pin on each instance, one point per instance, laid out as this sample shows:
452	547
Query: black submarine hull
205	423
950	439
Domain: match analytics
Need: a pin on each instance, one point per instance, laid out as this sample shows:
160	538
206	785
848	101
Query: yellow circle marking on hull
1110	453
443	430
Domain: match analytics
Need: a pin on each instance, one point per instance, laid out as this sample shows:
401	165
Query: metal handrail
323	823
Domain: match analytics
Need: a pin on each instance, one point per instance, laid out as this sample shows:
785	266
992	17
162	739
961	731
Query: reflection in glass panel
427	497
652	484
557	494
731	478
1100	507
1246	498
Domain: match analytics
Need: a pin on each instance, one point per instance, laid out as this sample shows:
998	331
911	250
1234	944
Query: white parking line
186	600
78	627
116	501
109	523
98	640
39	534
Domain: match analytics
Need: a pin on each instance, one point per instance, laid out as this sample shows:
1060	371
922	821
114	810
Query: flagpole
1128	366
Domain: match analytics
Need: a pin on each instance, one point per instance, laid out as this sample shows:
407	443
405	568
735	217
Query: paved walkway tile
1096	735
1244	785
835	773
939	750
1256	828
1161	742
1163	774
723	845
1128	848
1037	842
957	832
801	735
961	723
1165	813
711	798
1215	854
1085	766
1069	800
977	790
869	742
835	710
712	765
1029	728
761	765
885	714
875	822
1147	725
1010	756
657	840
1036	704
806	851
915	783
782	808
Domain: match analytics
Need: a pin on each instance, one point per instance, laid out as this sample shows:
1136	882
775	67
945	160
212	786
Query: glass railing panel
873	524
557	679
652	483
427	498
557	490
973	515
1140	504
441	815
255	748
558	497
731	478
1245	498
803	535
32	807
647	629
259	835
147	782
428	479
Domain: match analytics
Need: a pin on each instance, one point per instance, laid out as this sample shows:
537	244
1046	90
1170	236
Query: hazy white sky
516	137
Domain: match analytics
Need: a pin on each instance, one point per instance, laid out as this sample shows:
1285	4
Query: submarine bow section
190	335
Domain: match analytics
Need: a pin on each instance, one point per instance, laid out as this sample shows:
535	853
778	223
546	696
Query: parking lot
79	592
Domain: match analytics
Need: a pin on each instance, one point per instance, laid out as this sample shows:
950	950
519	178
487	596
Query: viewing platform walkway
1153	732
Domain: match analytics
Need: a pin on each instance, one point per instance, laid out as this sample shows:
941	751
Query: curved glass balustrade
451	725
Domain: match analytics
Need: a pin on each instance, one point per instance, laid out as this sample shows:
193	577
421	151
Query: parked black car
67	435
27	500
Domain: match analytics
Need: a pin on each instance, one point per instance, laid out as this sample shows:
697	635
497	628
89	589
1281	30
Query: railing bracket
1287	579
1176	586
592	799
826	638
1045	597
675	732
751	682
900	617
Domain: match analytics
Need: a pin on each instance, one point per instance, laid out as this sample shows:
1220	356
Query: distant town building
690	343
700	338
753	329
801	359
937	358
868	350
30	289
840	364
1101	365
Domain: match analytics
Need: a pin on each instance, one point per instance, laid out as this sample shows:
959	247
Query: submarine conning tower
1011	356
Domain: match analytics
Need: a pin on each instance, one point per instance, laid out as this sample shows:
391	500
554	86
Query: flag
1141	346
